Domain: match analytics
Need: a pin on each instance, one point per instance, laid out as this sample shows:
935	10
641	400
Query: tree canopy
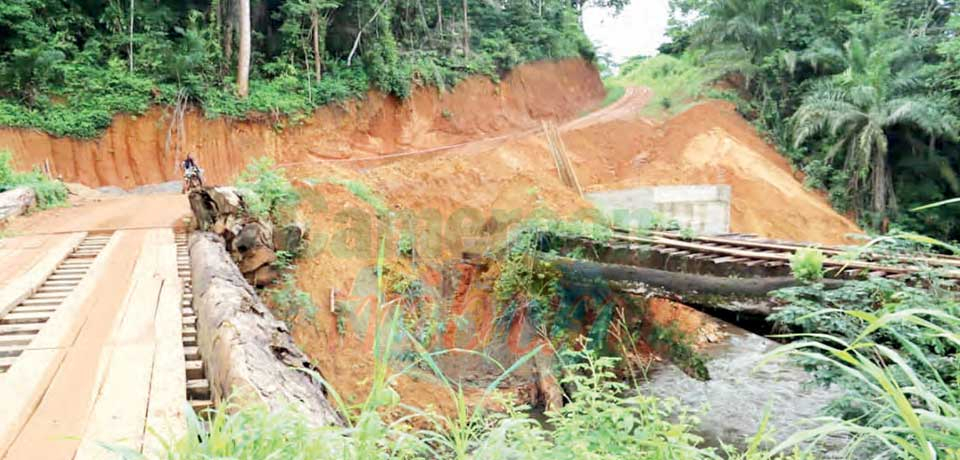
864	96
67	66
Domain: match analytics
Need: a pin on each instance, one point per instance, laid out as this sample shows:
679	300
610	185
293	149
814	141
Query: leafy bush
289	302
807	264
900	413
266	191
50	193
851	313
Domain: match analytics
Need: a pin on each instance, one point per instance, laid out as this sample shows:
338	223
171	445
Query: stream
732	405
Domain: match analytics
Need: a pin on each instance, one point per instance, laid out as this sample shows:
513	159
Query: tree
305	26
243	61
858	118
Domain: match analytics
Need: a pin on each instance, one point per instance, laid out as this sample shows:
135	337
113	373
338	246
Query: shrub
266	191
50	193
289	302
807	264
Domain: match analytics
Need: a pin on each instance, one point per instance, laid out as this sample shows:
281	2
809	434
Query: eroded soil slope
462	199
133	151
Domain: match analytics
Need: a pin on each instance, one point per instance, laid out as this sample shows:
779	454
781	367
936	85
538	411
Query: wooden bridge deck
92	337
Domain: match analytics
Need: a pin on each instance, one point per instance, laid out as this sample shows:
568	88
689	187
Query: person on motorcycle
190	171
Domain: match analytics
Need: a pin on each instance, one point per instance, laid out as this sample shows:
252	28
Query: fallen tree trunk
16	202
738	295
247	352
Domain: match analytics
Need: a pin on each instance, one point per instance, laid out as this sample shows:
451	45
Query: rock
289	238
263	276
81	191
16	202
228	199
255	258
253	235
247	352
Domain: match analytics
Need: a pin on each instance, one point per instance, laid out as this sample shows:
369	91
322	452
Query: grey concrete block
702	208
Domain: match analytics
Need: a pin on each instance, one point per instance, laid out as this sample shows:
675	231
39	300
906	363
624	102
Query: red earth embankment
131	151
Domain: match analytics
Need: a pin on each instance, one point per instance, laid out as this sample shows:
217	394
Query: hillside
136	150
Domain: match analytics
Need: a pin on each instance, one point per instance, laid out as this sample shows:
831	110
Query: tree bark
16	202
466	31
130	51
248	354
317	64
440	18
356	42
227	40
243	64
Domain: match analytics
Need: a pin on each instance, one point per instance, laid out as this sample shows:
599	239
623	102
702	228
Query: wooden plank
6	362
168	388
19	329
16	317
34	309
119	410
21	389
15	290
26	382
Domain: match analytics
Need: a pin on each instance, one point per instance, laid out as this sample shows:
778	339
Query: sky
639	29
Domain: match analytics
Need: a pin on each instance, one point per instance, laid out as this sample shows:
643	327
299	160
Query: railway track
198	387
774	256
23	323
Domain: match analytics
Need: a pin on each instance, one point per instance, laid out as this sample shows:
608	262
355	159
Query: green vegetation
614	92
50	193
862	96
266	191
68	67
288	301
676	81
807	264
362	191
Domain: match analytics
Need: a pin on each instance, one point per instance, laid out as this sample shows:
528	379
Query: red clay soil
131	152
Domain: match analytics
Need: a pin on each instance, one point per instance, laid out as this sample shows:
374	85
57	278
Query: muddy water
734	402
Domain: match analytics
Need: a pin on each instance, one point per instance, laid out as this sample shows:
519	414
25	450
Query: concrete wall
702	208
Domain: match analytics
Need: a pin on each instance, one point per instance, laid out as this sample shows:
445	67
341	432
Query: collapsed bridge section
729	272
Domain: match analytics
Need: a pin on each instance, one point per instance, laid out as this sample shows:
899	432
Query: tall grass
905	416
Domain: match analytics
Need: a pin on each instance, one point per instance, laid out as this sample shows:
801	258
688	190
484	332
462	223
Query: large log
737	295
247	352
16	202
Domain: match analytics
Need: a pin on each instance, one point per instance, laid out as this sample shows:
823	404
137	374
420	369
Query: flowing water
741	392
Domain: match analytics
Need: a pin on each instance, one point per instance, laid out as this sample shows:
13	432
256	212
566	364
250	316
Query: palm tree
858	119
740	34
876	89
